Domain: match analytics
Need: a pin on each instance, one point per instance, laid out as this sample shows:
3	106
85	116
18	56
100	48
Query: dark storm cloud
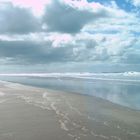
16	20
63	18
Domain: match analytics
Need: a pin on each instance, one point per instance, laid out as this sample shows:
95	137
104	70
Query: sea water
119	88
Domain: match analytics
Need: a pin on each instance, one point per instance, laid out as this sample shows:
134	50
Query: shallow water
123	90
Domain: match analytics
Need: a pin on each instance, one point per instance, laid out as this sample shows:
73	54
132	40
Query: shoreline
77	93
51	114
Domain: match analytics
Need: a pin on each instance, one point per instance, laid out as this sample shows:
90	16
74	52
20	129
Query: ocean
119	88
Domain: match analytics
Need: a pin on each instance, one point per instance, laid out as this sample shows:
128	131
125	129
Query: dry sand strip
30	113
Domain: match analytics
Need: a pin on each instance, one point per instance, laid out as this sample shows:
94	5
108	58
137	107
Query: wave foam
2	94
130	73
125	76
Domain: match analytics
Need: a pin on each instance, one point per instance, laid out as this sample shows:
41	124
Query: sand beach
31	113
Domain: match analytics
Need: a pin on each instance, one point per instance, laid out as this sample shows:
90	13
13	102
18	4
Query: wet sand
30	113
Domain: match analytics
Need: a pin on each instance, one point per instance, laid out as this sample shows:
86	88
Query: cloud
132	57
16	20
48	50
135	2
74	32
31	52
65	18
41	52
36	6
132	54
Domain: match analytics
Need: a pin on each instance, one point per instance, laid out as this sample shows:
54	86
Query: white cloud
78	32
37	6
135	2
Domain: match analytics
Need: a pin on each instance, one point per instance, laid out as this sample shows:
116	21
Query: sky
69	35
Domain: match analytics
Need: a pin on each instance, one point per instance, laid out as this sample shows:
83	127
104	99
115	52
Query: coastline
32	113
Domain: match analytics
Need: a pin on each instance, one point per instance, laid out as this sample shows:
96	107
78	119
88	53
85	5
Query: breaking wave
124	76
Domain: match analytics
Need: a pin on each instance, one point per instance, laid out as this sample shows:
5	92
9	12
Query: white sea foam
2	93
131	73
3	101
126	76
44	95
85	74
63	125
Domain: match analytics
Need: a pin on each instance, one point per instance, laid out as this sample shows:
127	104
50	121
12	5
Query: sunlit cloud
67	31
37	6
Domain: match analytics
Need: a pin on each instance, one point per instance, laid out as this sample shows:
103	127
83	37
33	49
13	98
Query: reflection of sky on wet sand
123	93
126	94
